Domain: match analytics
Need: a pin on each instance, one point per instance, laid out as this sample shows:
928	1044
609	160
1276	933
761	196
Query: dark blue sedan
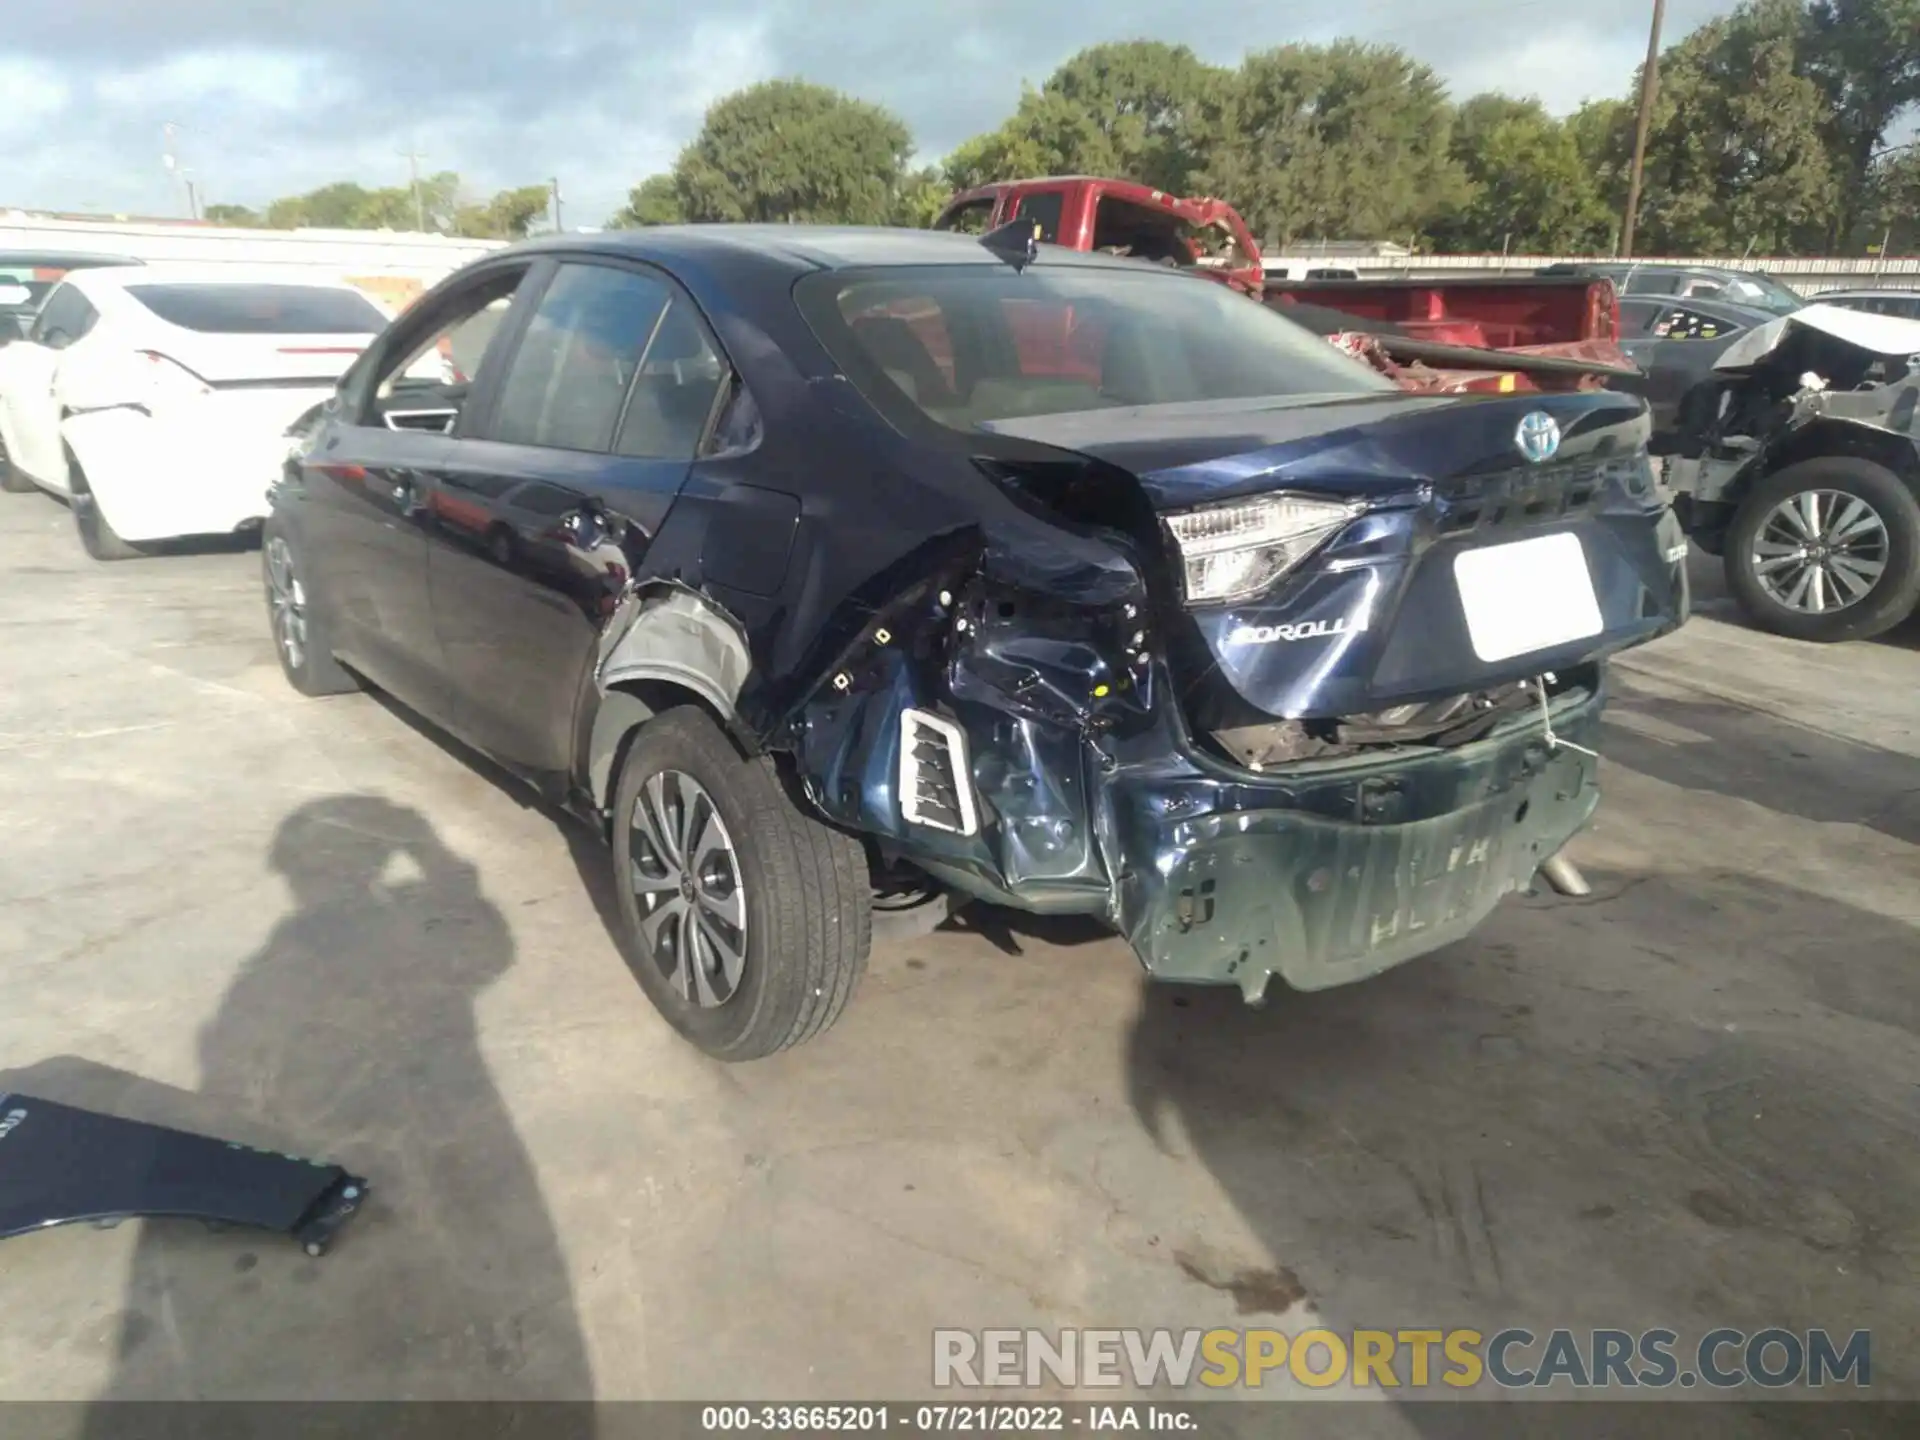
839	575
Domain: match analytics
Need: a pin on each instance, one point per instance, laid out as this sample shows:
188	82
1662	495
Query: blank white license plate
1526	596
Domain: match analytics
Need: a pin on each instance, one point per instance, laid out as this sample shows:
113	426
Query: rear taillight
168	379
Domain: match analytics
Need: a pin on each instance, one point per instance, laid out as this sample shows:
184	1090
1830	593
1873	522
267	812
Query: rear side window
613	359
1045	208
262	309
1680	323
570	373
1637	316
66	317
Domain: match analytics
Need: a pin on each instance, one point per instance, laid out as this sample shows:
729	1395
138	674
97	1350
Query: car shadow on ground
350	1035
1734	750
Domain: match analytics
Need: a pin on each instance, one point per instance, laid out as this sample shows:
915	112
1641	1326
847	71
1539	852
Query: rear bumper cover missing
1426	848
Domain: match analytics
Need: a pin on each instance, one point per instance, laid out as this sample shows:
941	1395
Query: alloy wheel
685	874
1818	551
288	599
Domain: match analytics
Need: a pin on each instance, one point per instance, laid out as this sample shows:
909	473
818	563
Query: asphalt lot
1688	1101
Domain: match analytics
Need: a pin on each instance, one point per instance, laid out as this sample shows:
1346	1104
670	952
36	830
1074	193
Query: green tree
508	215
923	195
1155	104
654	201
1890	214
1530	189
1736	154
785	150
1341	141
1136	109
230	215
1865	57
1047	135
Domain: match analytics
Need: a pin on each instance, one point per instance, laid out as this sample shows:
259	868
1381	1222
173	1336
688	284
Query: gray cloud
276	96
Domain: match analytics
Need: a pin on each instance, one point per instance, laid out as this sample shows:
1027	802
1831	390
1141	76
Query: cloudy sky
272	97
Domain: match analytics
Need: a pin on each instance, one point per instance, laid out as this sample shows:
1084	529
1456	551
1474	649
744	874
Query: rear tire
798	888
1759	524
300	638
97	537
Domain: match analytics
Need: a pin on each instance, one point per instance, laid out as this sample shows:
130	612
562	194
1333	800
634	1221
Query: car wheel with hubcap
746	920
299	633
1827	550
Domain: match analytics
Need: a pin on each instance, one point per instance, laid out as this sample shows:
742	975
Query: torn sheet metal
1876	334
60	1165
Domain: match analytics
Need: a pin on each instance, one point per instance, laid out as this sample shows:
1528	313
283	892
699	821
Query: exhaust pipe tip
1565	877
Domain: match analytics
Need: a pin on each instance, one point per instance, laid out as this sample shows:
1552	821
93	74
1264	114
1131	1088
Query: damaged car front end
1799	465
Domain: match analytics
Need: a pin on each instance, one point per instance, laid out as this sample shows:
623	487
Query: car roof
1877	292
805	248
63	259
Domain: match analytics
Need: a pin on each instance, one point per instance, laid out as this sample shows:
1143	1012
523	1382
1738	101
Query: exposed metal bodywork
1821	381
60	1166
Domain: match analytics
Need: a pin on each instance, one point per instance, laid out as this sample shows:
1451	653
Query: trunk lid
1466	565
224	361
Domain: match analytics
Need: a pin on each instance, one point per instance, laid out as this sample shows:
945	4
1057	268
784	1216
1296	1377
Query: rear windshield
262	309
969	345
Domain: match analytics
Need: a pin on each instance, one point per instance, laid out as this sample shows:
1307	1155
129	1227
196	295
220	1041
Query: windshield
262	309
969	345
1763	293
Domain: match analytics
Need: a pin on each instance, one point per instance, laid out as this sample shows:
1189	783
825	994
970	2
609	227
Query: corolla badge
1538	436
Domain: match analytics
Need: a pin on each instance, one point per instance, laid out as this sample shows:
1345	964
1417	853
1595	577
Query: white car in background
156	400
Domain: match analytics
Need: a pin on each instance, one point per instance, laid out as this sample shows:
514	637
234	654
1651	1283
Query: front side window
271	309
1062	340
426	382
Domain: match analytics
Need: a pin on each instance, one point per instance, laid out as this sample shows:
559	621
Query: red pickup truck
1527	333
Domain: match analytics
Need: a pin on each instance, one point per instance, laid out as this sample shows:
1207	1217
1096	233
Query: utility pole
555	183
1649	87
414	157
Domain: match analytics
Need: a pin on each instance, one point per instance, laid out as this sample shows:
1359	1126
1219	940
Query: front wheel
299	632
1826	550
746	919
